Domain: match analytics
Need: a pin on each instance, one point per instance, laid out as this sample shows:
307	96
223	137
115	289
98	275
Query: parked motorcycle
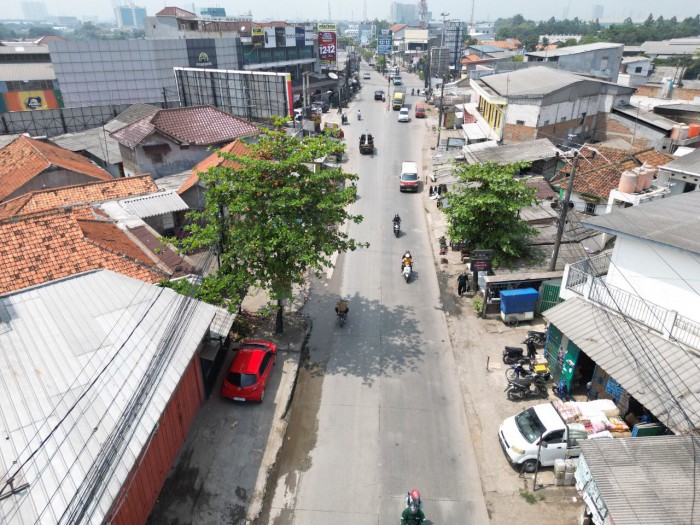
524	387
443	245
538	338
526	367
513	354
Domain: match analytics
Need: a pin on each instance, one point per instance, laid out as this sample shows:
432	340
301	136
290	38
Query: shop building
629	327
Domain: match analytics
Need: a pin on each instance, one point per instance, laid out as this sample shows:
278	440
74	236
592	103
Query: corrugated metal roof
688	164
646	481
649	117
95	335
154	204
660	374
673	221
17	72
575	50
96	141
529	151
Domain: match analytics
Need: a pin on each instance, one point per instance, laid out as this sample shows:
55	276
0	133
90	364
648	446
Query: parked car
366	75
323	105
403	115
250	371
379	95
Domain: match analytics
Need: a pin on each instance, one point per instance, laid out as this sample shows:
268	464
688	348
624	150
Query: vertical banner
299	34
279	37
290	100
258	36
290	37
327	47
269	37
384	44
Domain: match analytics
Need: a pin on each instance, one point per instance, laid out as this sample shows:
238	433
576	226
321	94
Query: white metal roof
28	71
112	349
660	374
645	481
154	204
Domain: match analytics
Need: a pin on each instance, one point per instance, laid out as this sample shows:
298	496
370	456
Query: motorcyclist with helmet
412	515
341	308
407	260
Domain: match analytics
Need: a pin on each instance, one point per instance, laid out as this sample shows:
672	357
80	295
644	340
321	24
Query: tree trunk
279	321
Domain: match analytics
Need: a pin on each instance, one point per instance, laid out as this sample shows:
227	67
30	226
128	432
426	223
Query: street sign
481	255
479	266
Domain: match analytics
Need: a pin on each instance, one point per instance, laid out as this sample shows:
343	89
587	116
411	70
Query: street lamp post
444	16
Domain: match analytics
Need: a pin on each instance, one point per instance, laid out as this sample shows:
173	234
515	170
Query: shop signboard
299	34
280	40
269	37
327	47
290	37
479	266
384	42
481	255
201	53
258	36
327	27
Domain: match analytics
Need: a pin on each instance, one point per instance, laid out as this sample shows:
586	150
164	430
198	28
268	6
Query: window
554	437
604	63
520	122
546	122
562	119
638	69
582	119
156	158
590	208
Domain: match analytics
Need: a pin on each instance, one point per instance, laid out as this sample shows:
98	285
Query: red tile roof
25	158
197	125
600	168
175	11
511	44
212	161
47	246
89	193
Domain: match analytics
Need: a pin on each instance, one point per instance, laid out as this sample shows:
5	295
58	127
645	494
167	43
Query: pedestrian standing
462	283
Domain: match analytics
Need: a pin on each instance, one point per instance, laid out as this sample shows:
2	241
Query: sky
301	10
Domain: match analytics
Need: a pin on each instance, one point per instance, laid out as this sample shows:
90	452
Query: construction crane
423	13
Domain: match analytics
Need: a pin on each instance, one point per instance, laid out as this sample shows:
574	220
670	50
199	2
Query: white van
408	180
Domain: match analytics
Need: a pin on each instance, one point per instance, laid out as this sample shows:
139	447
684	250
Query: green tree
39	31
273	218
484	209
6	33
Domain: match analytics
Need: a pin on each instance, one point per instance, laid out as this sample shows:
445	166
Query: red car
250	371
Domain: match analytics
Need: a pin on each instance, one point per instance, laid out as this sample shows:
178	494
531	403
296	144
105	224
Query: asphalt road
377	409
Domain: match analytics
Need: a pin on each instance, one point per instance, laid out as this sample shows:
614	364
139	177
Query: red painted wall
139	493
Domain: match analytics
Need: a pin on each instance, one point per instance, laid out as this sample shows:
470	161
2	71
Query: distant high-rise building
34	10
130	16
214	12
403	13
597	12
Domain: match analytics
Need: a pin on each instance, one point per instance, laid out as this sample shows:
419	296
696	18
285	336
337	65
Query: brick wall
561	130
518	133
676	93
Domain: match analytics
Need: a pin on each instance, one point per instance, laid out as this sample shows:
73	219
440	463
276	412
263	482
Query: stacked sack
599	418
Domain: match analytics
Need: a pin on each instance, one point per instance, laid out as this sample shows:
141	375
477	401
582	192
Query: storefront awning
660	374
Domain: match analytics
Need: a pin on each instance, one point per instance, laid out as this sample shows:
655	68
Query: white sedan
403	115
366	75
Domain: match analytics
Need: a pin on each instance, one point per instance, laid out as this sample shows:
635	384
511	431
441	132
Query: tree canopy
274	217
484	209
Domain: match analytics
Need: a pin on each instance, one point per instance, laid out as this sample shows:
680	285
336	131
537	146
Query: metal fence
53	122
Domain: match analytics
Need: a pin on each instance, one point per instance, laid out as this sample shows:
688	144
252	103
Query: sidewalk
477	345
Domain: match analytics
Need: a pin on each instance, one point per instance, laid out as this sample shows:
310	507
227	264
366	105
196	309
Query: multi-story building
599	60
34	11
403	13
130	16
28	80
541	102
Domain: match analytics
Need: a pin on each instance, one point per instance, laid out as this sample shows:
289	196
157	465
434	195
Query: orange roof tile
47	246
25	158
89	193
510	44
600	168
214	160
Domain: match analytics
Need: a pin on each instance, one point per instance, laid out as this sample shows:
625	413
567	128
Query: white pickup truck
520	437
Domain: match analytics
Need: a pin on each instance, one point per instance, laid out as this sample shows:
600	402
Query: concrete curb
275	440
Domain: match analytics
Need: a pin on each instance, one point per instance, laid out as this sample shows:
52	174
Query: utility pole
444	16
442	92
562	217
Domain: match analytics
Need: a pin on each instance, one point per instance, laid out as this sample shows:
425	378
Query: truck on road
539	429
398	100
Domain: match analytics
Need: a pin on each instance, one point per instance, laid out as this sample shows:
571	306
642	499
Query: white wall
662	275
569	110
528	114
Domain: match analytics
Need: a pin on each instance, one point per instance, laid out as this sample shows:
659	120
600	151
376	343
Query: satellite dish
333	76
